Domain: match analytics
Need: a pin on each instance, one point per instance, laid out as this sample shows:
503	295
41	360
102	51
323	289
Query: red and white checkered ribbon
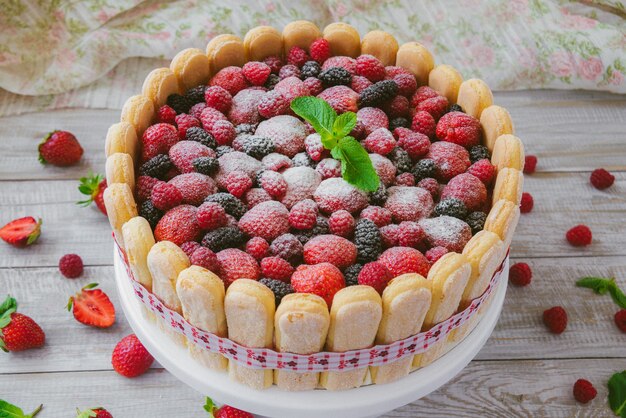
263	358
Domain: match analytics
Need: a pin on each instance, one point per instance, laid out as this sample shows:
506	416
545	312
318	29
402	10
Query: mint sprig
601	286
8	410
617	394
356	165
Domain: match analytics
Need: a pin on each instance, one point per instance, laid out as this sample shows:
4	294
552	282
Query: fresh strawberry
332	249
98	412
321	279
60	148
17	331
21	232
9	410
93	186
130	358
92	307
225	411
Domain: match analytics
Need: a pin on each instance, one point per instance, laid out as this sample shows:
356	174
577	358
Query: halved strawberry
21	232
92	307
93	185
98	412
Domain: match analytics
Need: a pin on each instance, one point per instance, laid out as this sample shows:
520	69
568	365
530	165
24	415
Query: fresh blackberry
424	169
455	108
271	82
367	240
223	149
321	226
288	247
336	76
221	238
476	221
230	203
378	93
310	69
256	180
258	146
245	128
399	123
195	133
304	237
279	288
352	273
152	214
451	207
302	159
479	152
195	95
400	158
379	197
206	165
179	103
156	167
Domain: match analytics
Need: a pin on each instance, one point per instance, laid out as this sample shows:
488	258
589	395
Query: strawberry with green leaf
60	148
11	411
92	307
93	185
225	411
18	332
98	412
21	232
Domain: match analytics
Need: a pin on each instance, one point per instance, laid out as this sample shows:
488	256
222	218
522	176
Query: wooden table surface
522	371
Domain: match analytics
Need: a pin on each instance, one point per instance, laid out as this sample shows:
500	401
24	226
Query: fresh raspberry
579	236
302	182
446	231
196	110
245	107
372	119
144	187
184	122
274	63
555	319
314	85
276	268
376	275
468	189
415	144
130	358
258	248
436	106
189	247
347	63
291	88
297	56
255	196
303	215
286	132
71	266
380	216
398	107
289	70
424	123
236	264
218	98
320	50
584	391
273	104
238	183
256	72
483	170
405	179
266	220
328	168
391	71
166	115
527	203
601	179
381	141
314	147
206	258
211	215
520	274
359	83
460	128
410	234
409	203
224	132
407	84
165	196
431	185
450	159
530	163
322	279
287	246
341	223
231	79
422	93
401	260
276	162
179	225
385	169
620	319
435	254
273	183
209	117
335	193
341	98
194	187
332	249
157	139
183	153
389	235
370	67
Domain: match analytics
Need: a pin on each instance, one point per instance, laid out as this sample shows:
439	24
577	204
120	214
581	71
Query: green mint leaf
320	115
618	296
8	410
617	393
344	124
209	406
356	165
597	284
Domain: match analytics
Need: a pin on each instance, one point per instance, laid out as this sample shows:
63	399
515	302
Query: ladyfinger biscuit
121	137
509	185
201	294
139	112
474	96
139	239
300	33
121	206
502	220
119	169
301	325
343	39
158	85
448	277
382	45
191	67
225	51
446	80
354	317
250	308
495	121
262	42
414	57
508	151
406	300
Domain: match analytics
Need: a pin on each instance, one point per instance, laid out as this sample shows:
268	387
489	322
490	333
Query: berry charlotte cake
311	191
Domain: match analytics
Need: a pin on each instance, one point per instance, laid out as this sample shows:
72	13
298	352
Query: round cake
312	191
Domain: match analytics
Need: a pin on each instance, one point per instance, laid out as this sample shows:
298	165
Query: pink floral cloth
53	47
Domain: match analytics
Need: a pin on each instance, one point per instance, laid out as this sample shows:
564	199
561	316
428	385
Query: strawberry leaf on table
601	286
617	394
8	410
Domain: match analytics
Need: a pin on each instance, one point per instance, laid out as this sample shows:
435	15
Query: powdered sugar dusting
335	193
245	107
286	131
446	231
236	161
408	203
301	184
384	168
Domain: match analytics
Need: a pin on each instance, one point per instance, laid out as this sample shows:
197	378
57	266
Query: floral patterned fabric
53	46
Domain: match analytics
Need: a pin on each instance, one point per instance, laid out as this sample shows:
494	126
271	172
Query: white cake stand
363	402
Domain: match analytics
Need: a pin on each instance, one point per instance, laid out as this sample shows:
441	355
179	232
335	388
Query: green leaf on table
320	115
8	410
344	124
356	165
601	286
209	406
617	394
618	296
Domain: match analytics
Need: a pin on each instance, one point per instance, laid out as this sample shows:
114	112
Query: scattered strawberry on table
8	410
21	232
92	307
130	358
60	148
98	412
18	332
93	185
225	411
